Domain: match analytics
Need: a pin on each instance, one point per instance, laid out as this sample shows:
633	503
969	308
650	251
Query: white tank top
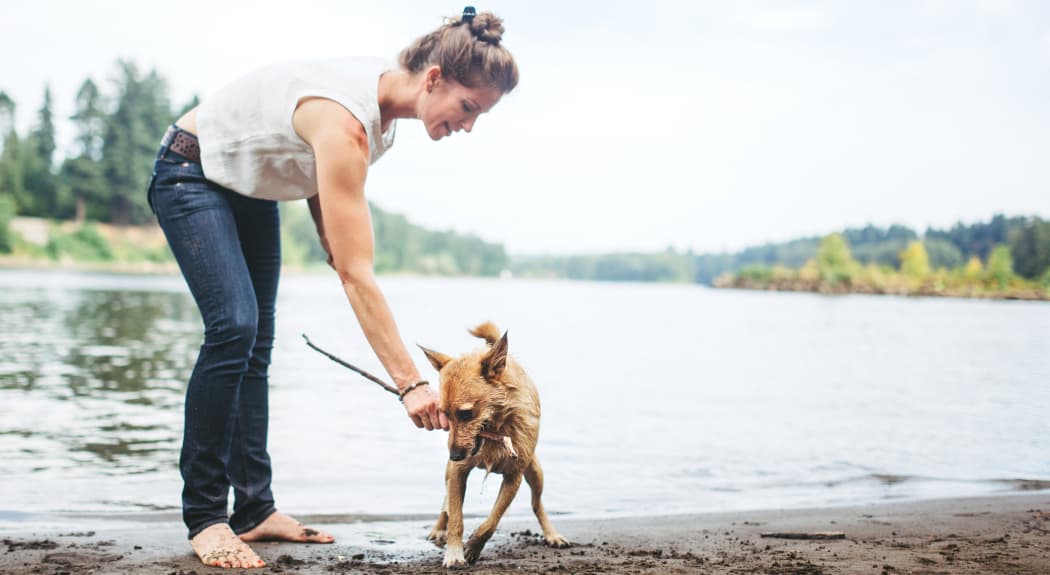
245	129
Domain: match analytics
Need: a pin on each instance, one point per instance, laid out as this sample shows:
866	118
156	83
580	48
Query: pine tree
1030	248
11	181
132	135
42	190
82	175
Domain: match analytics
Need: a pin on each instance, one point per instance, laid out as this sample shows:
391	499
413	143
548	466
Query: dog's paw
473	552
474	546
454	559
557	541
438	537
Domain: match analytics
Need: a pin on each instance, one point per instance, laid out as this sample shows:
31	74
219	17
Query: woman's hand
422	406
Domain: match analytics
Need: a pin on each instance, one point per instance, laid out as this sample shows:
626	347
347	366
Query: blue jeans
229	250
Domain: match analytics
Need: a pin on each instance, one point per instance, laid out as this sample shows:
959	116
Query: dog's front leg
456	488
507	490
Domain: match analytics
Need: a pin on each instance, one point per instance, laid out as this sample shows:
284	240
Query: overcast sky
638	125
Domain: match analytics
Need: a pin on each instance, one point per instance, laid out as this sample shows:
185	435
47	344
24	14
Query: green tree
299	242
914	261
90	120
978	239
7	114
82	176
44	134
1000	265
942	253
973	269
132	134
43	197
1030	248
834	260
11	181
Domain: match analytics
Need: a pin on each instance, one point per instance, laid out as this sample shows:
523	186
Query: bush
1000	266
915	263
834	261
83	244
760	274
129	251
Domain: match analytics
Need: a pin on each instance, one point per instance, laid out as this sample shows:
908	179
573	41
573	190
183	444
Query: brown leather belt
182	143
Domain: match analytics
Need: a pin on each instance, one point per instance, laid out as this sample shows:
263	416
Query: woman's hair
468	50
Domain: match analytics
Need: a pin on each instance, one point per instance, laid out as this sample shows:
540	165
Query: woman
295	130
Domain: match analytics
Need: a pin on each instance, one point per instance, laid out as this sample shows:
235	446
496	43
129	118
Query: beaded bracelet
405	391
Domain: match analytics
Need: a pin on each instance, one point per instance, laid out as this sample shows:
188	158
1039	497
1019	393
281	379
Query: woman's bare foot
218	546
280	527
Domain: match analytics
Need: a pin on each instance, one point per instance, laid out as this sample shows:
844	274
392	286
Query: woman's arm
341	150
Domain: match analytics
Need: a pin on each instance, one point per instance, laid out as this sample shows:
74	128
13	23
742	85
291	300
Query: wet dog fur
487	391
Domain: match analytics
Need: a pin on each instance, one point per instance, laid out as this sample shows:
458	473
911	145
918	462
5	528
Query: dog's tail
487	331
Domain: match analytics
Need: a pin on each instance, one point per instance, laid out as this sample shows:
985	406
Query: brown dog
494	412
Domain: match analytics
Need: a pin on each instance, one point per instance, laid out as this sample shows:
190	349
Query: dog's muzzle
459	454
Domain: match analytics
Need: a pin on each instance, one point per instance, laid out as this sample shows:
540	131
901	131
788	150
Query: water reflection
98	376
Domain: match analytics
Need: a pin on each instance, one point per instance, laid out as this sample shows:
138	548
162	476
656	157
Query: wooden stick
809	535
503	439
355	369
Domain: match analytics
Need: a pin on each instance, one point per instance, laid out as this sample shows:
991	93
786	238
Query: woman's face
448	106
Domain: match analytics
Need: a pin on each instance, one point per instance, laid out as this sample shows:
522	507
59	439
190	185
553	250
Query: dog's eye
464	414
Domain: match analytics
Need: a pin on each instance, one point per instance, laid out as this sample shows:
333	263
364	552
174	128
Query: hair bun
487	27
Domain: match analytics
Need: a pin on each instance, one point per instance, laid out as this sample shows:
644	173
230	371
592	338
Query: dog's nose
457	454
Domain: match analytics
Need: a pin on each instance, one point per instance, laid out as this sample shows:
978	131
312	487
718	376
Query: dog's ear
437	359
495	361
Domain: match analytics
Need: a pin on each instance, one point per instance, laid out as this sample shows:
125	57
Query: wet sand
1007	534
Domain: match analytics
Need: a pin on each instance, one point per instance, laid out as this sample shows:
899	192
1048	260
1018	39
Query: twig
503	439
353	368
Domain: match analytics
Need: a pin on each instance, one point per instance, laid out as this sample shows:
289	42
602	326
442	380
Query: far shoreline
738	283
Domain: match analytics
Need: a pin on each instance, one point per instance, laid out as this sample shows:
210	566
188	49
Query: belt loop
165	142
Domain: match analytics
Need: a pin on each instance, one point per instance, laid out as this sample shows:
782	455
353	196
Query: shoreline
14	263
997	534
971	293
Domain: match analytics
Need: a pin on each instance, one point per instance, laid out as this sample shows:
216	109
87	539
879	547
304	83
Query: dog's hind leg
456	487
534	477
507	490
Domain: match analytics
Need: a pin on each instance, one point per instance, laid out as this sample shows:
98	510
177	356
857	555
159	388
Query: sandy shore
1008	534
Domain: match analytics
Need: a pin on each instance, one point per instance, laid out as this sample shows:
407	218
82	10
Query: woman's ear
431	78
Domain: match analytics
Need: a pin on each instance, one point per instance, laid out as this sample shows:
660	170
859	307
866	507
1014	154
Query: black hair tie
468	15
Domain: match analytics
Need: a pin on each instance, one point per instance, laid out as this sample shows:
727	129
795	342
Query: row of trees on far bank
1025	241
834	269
